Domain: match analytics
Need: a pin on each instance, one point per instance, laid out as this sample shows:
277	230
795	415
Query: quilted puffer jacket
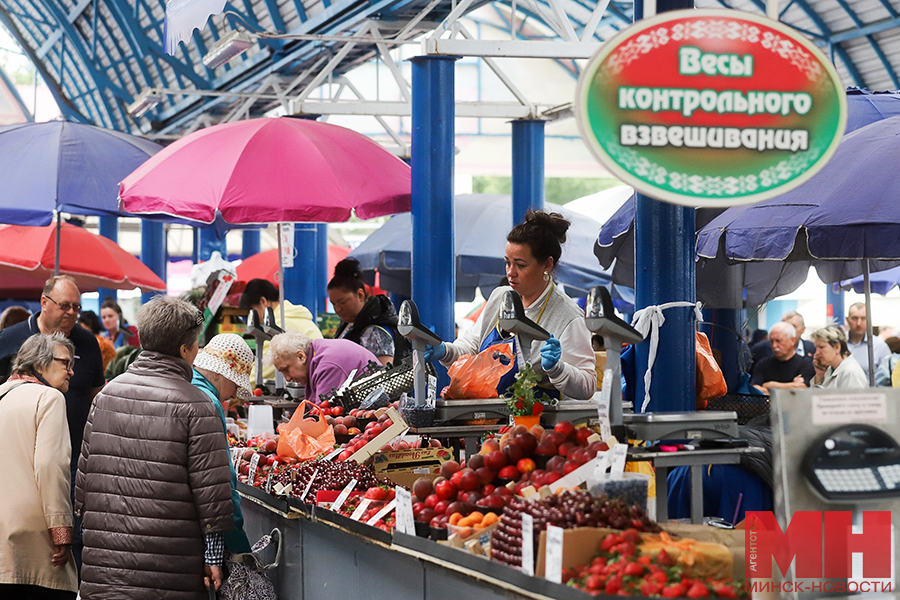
152	480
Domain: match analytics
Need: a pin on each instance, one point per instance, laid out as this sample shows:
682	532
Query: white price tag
361	509
269	480
332	455
527	544
619	452
347	382
287	245
254	463
384	511
308	485
603	404
236	457
405	522
601	466
554	556
431	396
342	497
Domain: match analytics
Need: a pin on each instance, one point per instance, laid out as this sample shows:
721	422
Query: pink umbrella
267	171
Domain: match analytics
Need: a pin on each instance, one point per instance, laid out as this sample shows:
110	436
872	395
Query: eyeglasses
65	306
68	362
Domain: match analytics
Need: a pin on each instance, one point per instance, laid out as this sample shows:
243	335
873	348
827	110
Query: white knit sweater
574	375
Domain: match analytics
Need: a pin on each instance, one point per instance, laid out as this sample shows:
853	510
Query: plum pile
568	510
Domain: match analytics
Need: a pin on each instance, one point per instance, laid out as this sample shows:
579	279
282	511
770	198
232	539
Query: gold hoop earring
546	276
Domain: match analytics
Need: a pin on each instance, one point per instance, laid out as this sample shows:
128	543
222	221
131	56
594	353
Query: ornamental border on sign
803	163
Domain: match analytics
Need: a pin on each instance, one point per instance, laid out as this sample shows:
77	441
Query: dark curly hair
544	233
347	276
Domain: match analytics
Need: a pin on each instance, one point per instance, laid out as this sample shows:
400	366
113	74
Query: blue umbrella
719	284
61	166
881	282
481	224
865	107
844	220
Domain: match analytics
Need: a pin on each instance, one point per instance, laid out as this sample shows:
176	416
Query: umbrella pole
56	260
279	378
869	341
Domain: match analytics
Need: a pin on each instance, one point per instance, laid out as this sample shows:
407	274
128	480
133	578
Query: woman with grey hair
320	365
835	366
153	480
36	527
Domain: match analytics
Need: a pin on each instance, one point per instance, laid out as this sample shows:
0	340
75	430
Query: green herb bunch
521	398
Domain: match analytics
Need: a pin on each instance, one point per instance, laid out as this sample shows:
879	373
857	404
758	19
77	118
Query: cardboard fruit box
403	467
717	553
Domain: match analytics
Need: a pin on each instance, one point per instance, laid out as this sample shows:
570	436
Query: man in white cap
222	370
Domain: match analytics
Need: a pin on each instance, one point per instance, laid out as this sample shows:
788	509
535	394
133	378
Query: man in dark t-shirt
60	305
785	368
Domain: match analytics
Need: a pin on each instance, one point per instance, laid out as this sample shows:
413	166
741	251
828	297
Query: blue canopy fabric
66	167
880	283
845	214
865	107
481	222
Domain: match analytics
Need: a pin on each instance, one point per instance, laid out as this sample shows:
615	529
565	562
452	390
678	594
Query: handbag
247	579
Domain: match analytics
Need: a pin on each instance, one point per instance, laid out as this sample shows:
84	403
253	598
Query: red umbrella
265	264
28	254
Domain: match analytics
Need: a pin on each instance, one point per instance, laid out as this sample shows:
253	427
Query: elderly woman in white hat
222	370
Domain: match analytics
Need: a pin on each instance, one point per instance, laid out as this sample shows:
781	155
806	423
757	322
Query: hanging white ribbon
649	320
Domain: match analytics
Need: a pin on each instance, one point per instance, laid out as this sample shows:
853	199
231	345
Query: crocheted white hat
228	355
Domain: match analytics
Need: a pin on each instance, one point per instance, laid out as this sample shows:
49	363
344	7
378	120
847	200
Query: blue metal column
723	328
433	268
211	241
664	272
834	309
300	285
322	274
527	167
249	242
154	253
195	250
109	228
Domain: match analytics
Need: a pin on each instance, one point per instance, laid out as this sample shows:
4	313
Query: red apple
546	448
485	475
526	442
432	500
551	476
456	479
445	490
565	428
557	438
556	463
426	515
513	454
441	507
508	472
526	465
570	466
582	434
458	507
565	448
469	481
417	508
487	490
495	460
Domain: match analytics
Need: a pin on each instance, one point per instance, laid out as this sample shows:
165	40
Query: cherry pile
328	476
568	510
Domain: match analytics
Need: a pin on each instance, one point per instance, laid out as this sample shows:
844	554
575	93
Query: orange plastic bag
477	376
710	381
305	439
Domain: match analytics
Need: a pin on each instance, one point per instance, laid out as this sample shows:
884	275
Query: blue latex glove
433	353
551	352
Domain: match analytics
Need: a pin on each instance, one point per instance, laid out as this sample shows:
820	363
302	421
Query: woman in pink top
320	365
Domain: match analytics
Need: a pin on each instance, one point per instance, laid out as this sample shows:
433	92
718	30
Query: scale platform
454	411
681	426
576	412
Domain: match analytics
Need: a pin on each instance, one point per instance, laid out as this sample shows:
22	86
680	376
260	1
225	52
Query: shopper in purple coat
320	365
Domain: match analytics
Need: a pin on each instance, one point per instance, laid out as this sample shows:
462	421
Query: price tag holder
236	457
269	479
384	511
619	452
554	555
254	464
527	544
431	396
405	522
361	509
342	497
601	466
603	404
308	485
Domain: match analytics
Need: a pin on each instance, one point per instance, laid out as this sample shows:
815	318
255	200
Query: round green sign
711	107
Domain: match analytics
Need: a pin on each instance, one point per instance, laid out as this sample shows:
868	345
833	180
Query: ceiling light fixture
147	99
227	48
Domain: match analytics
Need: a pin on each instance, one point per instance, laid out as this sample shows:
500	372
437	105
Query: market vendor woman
566	361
